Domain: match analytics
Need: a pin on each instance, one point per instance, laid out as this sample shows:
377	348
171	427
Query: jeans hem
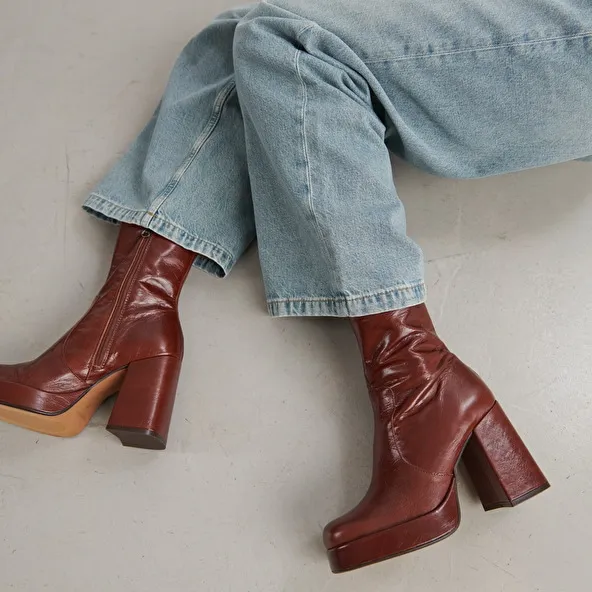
211	258
350	305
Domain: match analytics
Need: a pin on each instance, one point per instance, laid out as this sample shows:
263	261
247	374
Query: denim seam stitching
306	150
349	298
166	222
400	58
303	30
115	204
158	218
303	133
200	142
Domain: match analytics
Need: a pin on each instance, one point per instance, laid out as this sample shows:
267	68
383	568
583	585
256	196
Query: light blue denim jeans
278	120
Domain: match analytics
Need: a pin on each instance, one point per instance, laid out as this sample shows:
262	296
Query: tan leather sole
71	422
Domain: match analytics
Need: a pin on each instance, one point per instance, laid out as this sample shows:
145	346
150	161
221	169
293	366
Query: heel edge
502	469
489	506
138	437
142	412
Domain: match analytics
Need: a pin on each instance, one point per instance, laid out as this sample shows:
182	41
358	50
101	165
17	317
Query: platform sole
72	421
403	538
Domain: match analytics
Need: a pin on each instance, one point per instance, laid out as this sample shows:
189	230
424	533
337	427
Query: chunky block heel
143	409
501	467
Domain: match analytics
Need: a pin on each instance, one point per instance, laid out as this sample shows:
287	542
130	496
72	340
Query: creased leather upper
426	403
144	324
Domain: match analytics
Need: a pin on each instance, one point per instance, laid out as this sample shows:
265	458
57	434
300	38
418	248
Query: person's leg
182	195
185	177
330	227
470	88
460	89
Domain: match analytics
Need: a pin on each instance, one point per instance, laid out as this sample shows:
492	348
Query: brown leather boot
130	341
429	408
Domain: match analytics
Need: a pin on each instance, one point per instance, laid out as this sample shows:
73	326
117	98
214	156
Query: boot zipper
103	347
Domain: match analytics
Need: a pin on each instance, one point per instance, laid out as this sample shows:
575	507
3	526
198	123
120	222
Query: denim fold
279	120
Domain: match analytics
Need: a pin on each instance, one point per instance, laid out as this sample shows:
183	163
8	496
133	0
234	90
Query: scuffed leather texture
133	317
426	404
501	467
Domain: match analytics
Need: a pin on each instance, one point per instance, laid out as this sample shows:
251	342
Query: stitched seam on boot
412	465
83	382
395	440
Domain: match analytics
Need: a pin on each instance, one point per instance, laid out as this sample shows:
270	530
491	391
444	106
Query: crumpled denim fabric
278	120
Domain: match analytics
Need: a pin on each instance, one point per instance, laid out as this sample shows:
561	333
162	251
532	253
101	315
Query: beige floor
271	434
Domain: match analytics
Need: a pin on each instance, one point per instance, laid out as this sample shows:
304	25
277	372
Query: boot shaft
419	390
135	312
133	323
400	350
126	239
